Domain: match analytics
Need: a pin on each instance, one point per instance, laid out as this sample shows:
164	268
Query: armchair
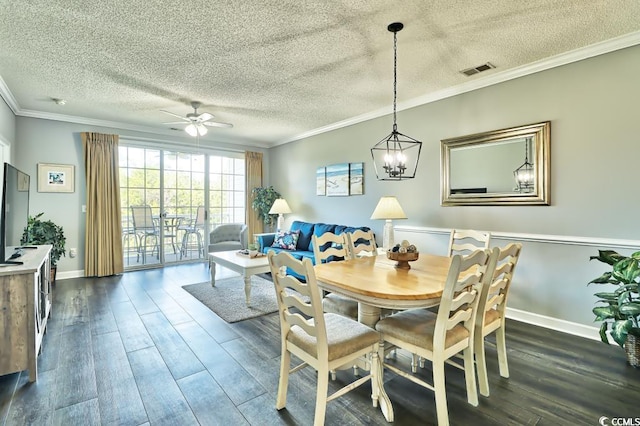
230	236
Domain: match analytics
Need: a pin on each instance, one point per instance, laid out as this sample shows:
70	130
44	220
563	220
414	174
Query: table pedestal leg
247	289
370	315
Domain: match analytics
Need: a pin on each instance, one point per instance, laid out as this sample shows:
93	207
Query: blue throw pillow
286	240
306	231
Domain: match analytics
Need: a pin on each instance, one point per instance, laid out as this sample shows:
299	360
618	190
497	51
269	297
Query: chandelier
524	174
396	156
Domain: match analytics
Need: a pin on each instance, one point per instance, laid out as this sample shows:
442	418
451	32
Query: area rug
227	298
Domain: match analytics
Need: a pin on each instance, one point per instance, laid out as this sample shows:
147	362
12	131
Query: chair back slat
466	241
360	241
329	246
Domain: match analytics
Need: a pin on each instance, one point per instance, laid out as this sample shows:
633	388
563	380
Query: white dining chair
440	336
331	247
324	341
492	313
466	241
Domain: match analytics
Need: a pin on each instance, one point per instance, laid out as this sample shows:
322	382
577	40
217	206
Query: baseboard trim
69	274
556	324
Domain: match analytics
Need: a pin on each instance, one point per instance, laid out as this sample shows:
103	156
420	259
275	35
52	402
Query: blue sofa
304	245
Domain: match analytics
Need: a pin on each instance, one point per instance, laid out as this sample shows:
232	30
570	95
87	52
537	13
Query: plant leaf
630	309
607	256
619	331
607	297
602	279
604	312
603	332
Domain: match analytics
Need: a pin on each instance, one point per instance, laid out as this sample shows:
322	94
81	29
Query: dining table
375	283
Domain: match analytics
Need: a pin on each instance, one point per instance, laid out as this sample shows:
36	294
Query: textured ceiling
275	68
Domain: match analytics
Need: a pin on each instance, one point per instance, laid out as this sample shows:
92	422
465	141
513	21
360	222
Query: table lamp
280	207
388	208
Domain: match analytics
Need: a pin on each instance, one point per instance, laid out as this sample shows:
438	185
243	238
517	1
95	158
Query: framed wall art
56	177
338	179
355	178
321	181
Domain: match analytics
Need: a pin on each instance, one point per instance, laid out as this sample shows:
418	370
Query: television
14	214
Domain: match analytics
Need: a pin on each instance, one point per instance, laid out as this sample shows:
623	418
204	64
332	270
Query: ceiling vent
480	68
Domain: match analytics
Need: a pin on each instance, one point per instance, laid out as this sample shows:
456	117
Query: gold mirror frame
540	136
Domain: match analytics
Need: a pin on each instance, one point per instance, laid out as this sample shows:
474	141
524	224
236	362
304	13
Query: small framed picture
56	177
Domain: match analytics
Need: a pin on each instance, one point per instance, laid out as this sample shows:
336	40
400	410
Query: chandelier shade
396	156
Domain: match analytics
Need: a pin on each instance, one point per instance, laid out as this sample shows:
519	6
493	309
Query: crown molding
8	97
565	58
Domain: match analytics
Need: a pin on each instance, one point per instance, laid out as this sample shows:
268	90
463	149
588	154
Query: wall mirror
507	166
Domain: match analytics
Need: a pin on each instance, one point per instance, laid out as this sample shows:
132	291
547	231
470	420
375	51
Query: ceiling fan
197	123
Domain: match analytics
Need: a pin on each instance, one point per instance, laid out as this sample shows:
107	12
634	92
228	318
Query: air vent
475	70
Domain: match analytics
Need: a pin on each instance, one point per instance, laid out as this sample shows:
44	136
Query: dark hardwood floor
137	349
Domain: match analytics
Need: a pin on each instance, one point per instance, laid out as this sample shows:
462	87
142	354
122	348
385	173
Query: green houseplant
39	232
620	309
263	198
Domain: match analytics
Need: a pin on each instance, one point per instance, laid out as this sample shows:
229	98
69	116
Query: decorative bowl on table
403	253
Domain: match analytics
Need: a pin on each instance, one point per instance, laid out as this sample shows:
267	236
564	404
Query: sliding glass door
171	200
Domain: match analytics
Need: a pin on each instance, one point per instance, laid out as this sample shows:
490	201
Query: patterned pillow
287	240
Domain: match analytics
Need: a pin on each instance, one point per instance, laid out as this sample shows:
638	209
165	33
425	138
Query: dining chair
440	336
491	313
465	241
144	227
332	247
193	227
324	341
361	242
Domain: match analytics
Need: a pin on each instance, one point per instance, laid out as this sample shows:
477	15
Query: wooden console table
25	306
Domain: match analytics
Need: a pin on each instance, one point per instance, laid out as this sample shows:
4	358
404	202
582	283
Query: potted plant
263	199
39	232
620	312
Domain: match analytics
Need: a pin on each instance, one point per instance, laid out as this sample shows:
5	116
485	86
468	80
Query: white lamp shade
280	206
388	208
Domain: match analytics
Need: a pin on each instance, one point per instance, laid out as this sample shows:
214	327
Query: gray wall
592	106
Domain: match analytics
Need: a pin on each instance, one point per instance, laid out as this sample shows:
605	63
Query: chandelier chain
395	78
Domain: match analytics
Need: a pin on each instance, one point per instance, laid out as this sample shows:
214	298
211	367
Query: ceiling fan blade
205	116
176	122
217	124
175	115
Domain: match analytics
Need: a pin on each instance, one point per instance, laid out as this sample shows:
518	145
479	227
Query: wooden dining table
375	283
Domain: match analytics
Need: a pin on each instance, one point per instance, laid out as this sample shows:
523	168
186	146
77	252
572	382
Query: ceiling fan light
192	130
202	129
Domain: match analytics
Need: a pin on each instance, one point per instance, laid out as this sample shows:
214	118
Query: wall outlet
73	253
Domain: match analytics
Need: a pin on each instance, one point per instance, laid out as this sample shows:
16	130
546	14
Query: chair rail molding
537	238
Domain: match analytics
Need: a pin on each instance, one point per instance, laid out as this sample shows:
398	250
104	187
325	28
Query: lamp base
280	222
387	235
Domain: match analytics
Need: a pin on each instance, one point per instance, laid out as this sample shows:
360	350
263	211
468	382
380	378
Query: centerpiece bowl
402	259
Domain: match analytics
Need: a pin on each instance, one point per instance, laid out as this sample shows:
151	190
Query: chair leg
481	364
470	376
321	396
441	394
501	346
285	361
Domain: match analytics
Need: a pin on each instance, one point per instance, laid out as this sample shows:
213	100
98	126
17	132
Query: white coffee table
244	265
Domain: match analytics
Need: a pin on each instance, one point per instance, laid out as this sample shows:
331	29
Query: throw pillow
287	240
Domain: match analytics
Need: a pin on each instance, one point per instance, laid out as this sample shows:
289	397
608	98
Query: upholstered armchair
231	236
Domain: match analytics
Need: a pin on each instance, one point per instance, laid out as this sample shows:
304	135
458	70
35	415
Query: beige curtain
253	173
103	238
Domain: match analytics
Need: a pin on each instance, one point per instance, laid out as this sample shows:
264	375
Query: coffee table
244	265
